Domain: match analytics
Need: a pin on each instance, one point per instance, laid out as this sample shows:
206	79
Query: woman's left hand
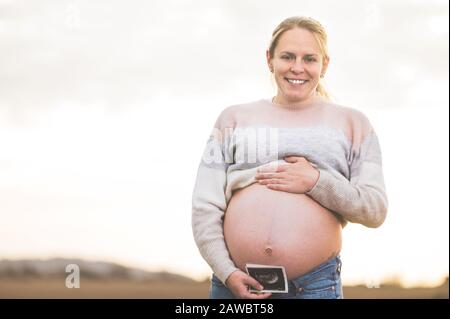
299	176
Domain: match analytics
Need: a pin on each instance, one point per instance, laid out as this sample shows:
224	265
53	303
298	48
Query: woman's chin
297	98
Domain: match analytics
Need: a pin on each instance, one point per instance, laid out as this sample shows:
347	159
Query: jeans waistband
331	268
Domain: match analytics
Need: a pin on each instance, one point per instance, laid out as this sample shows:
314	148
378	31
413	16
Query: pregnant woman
281	177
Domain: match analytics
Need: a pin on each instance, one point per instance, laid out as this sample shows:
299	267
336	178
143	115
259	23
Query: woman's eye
287	57
310	59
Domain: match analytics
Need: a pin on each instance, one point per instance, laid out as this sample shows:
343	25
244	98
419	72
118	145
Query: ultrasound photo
272	278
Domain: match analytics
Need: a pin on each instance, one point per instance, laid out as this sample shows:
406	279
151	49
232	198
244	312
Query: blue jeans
323	282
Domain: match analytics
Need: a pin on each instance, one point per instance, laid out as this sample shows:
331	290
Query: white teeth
296	81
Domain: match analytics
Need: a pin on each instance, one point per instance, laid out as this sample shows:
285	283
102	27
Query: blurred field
95	288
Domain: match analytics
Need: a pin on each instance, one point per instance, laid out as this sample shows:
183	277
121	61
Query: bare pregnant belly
265	226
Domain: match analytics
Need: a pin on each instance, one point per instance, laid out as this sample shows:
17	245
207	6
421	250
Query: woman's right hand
238	283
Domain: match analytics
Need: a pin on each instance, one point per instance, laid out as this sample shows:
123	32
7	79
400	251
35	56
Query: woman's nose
297	67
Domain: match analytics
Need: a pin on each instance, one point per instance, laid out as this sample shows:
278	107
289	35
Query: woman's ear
269	61
325	63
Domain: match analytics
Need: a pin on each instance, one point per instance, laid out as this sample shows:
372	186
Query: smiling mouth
295	81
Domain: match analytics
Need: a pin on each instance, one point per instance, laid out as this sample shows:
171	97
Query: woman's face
297	65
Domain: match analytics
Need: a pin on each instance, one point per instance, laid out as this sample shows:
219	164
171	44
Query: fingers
250	281
282	168
272	168
279	187
270	181
239	282
265	175
295	159
260	176
261	295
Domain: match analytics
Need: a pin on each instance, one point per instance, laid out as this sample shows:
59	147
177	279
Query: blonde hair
312	26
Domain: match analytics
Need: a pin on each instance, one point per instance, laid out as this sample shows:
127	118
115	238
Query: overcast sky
105	107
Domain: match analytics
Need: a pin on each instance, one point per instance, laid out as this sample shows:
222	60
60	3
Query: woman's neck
297	105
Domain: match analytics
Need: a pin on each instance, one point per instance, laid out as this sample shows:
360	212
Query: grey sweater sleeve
362	199
209	205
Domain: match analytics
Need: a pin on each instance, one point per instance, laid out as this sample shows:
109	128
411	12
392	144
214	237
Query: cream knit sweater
339	140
